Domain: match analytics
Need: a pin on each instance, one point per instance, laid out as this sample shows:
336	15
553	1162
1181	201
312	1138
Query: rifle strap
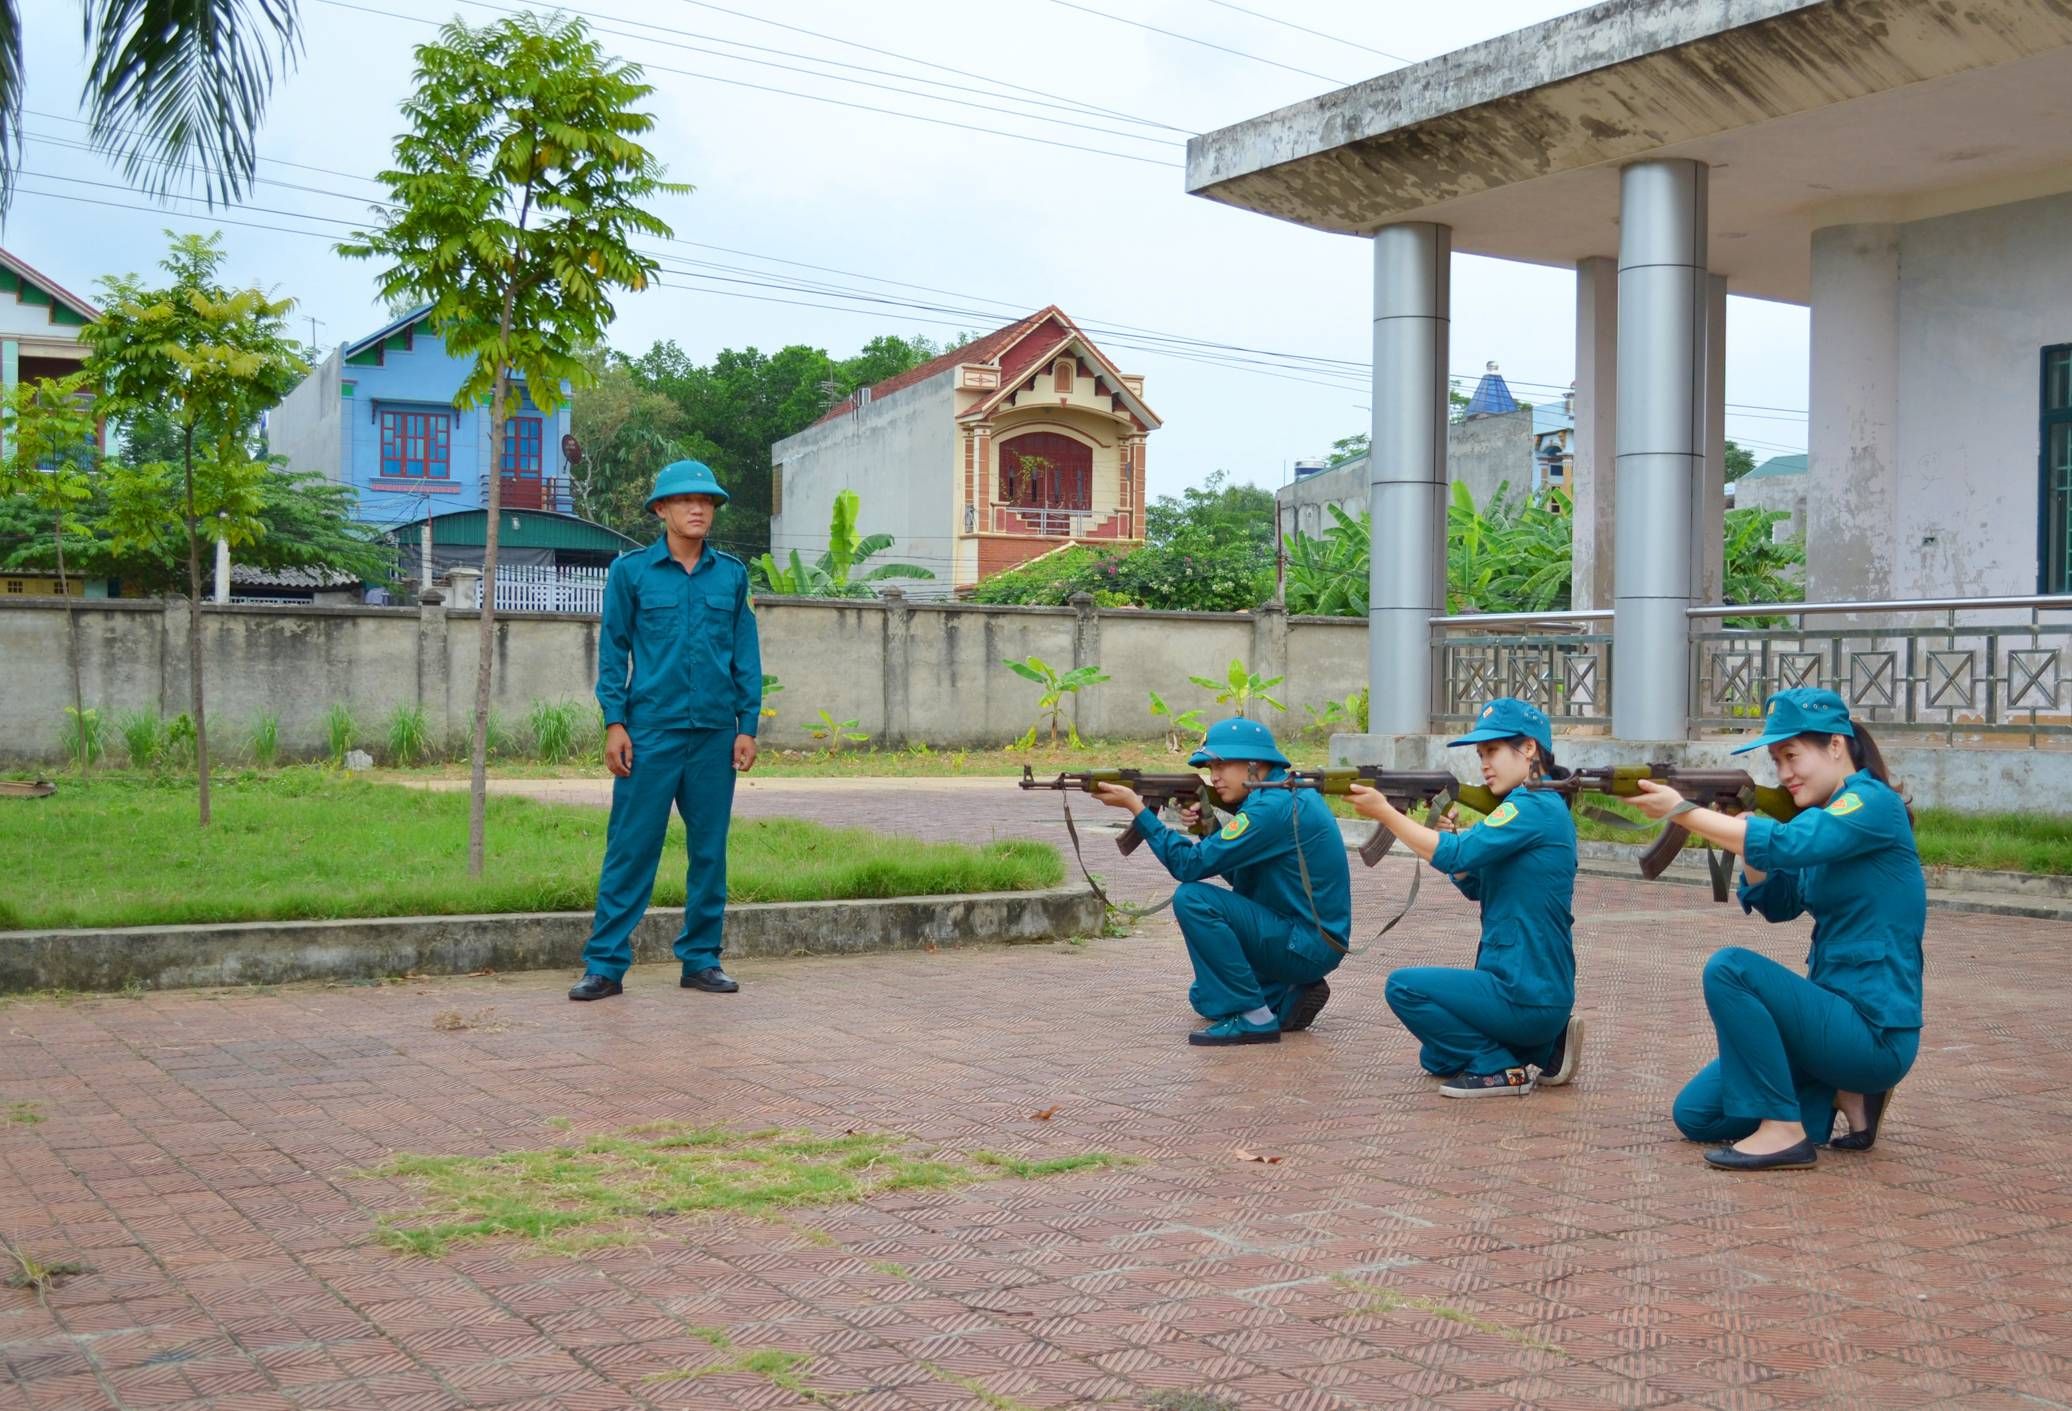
1309	895
1612	820
1719	864
1129	913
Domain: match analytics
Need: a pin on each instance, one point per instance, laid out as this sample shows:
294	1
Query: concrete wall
308	427
1485	452
904	671
1775	492
1926	340
898	454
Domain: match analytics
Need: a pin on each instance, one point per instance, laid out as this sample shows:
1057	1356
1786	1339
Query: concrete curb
273	952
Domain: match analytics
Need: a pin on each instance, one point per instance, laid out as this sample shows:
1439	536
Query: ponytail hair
1867	757
1542	760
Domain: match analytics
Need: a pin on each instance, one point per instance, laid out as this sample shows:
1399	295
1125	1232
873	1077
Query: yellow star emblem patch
1505	812
1235	828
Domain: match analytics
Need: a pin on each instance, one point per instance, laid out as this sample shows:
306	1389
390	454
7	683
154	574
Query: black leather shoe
1874	1105
1792	1158
596	987
711	979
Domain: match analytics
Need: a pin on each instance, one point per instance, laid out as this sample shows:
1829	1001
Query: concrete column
1086	651
1661	428
1709	490
222	593
897	667
466	586
1853	461
1270	643
432	664
1406	472
10	375
1594	483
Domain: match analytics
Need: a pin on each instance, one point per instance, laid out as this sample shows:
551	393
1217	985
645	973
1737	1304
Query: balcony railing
1948	666
532	493
1057	523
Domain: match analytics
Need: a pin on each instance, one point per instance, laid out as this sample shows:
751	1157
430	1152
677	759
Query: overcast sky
996	225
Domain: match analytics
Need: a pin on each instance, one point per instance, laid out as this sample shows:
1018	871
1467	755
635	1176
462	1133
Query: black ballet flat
1799	1157
1874	1105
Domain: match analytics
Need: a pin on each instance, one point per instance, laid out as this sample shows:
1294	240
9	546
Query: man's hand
744	753
1655	799
1119	796
618	751
1190	814
1446	822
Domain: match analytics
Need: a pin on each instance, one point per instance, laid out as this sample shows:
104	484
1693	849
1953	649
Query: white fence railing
546	588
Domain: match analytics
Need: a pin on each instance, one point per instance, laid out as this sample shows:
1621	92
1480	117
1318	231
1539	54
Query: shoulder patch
1845	805
1505	812
1235	828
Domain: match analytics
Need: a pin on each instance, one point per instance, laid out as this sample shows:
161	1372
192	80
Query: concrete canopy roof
1809	112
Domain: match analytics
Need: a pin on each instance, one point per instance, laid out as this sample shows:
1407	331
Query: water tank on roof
1308	468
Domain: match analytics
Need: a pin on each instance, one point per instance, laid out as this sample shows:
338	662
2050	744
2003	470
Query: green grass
1377	1299
25	1114
311	844
609	1187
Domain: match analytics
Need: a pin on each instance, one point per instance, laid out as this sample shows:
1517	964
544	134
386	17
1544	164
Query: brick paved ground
199	1153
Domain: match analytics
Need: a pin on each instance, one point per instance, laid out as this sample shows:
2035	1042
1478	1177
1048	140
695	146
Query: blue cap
1238	739
686	478
1803	710
1507	718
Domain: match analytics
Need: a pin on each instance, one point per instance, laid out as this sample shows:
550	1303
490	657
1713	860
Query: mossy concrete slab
274	952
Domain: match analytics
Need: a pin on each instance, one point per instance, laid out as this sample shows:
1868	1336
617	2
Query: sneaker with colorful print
1512	1082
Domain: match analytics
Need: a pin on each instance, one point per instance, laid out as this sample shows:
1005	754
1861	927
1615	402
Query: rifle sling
1440	804
1128	912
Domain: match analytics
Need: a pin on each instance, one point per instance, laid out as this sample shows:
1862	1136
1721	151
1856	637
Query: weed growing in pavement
606	1185
1190	1401
24	1270
1383	1300
26	1114
993	1400
779	1367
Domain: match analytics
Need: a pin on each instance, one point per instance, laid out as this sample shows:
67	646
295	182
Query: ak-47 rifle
1730	791
1157	791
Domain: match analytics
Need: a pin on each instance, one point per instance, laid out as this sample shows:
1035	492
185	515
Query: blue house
378	415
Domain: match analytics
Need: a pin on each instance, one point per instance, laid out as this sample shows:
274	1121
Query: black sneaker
1511	1082
1308	1002
1560	1066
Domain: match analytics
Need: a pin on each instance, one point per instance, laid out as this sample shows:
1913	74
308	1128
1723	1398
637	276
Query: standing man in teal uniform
1262	946
1794	1049
1483	1029
680	679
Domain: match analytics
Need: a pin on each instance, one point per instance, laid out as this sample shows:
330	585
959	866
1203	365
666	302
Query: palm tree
174	88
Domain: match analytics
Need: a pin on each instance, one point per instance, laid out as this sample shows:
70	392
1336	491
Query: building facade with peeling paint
1902	167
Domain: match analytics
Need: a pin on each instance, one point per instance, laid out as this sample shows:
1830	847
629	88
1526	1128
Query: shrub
83	736
554	730
341	733
409	740
142	734
264	740
176	746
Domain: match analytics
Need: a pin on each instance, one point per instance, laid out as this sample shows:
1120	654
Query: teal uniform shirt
1520	864
1255	853
679	650
1852	865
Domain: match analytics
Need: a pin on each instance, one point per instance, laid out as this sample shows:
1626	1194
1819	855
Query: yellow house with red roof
1014	445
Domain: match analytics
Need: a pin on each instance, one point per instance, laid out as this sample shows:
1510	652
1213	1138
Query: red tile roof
980	350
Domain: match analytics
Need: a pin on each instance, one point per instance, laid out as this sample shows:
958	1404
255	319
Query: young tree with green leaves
514	201
212	358
50	460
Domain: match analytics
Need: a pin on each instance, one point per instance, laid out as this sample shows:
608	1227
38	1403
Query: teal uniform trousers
1520	865
1256	943
680	667
1789	1042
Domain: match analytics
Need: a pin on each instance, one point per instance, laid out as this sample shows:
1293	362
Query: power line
1334	38
809	73
1206	44
815	97
924	63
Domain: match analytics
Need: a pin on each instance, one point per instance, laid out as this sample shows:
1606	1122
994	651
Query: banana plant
1056	686
834	731
1179	724
1241	688
1328	575
833	574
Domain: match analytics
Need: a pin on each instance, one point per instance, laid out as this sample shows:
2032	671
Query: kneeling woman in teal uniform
1793	1049
1262	946
1483	1028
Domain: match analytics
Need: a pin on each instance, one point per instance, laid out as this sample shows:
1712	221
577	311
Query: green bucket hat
686	478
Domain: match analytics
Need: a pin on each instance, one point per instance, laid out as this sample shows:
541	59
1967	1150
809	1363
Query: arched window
1043	470
1062	374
